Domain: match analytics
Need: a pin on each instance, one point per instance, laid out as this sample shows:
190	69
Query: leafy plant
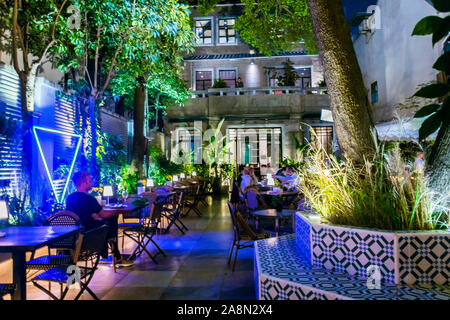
438	113
219	83
289	76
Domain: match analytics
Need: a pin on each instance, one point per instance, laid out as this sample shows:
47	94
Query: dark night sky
353	6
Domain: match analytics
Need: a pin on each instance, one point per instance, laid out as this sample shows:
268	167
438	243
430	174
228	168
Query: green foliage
276	26
161	170
219	83
127	180
438	114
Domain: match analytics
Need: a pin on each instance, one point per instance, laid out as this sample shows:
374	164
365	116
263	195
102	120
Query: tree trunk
27	122
349	103
438	168
139	141
93	119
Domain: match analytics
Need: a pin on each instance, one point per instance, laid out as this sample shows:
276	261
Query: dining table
276	215
127	210
20	240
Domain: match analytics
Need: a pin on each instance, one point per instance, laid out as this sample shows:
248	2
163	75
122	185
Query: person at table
252	176
245	179
92	215
288	178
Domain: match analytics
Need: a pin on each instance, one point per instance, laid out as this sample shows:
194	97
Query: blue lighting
49	176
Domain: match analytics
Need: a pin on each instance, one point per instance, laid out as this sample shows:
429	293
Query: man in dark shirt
91	213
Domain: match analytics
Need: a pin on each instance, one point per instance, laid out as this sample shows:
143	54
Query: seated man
92	215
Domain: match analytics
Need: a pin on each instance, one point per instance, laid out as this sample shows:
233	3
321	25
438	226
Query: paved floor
195	266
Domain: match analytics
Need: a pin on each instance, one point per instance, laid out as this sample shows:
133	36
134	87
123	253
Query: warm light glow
194	174
175	178
270	182
150	183
182	176
4	212
108	191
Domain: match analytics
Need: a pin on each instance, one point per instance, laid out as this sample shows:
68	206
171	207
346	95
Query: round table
272	213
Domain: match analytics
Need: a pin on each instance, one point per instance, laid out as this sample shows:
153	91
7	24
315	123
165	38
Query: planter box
403	257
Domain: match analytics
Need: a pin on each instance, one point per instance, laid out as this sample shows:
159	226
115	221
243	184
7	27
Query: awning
406	129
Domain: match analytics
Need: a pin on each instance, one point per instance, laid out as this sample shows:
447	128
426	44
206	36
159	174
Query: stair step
284	273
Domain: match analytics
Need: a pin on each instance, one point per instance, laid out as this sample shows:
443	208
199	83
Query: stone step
282	273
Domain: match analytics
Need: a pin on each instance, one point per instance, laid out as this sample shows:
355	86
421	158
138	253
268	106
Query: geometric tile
283	273
424	258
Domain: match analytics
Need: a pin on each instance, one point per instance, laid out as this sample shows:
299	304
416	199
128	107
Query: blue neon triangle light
44	160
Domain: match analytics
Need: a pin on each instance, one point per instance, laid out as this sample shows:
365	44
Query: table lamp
175	178
4	214
270	182
182	176
194	174
107	192
150	184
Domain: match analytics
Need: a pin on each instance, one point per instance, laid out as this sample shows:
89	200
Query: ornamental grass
379	194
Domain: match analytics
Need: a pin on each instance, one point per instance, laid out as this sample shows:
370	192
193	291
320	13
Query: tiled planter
403	257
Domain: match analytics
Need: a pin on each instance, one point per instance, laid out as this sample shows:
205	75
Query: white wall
398	61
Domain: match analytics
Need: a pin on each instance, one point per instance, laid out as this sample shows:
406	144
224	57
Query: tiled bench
283	273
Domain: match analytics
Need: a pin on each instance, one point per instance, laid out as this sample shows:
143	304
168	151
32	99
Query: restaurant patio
135	164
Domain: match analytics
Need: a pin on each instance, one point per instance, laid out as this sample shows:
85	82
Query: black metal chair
243	235
86	257
173	215
6	289
142	234
193	200
62	218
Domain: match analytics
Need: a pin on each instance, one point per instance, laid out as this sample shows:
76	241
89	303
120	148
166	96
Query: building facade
394	64
262	120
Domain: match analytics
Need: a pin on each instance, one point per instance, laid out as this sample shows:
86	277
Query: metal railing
256	91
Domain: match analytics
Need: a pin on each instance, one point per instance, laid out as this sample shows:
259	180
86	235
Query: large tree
29	32
349	102
116	47
154	73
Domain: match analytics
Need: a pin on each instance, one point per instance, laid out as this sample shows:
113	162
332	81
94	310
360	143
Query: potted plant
218	84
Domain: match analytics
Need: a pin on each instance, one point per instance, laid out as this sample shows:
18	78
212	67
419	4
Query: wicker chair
6	289
87	254
62	218
244	235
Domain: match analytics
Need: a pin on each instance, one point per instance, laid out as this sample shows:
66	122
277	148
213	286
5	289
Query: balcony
251	103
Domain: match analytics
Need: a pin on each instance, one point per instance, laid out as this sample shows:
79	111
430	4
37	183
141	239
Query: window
374	92
303	81
322	137
203	80
203	31
229	76
227	33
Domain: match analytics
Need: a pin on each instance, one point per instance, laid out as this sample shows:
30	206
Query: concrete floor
195	266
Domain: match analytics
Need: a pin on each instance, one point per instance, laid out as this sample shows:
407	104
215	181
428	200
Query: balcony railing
256	91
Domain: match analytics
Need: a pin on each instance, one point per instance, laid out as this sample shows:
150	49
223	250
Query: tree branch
56	19
14	36
111	69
